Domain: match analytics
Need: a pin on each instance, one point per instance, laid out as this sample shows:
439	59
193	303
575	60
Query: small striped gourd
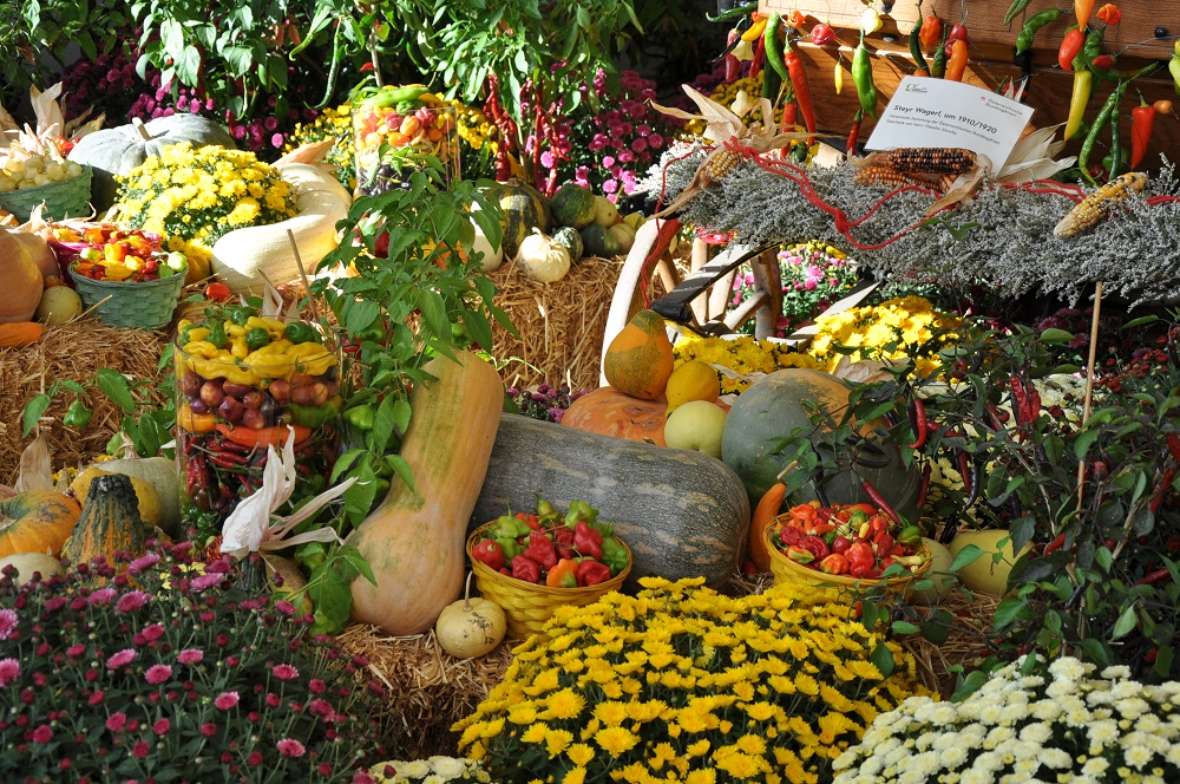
109	524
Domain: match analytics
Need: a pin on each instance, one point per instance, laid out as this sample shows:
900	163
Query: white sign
928	112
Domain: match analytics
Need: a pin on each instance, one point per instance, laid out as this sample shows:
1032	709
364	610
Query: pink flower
255	759
289	747
9	671
153	632
317	686
117	721
121	658
547	159
131	601
285	607
208	729
190	656
608	161
655	140
101	597
140	749
96	697
284	672
143	562
226	700
43	734
610	186
639	144
8	621
206	581
157	674
276	140
161	726
74	651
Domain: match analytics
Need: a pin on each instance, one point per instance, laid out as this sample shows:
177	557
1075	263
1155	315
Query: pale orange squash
37	521
608	412
639	360
20	333
23	282
414	541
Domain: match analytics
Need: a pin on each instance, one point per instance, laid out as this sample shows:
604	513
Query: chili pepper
796	19
217	336
883	542
592	573
841	544
963	463
525	568
1091	138
790	115
1116	149
800	554
938	65
361	417
733	67
301	332
755	31
853	135
1014	10
1091	50
924	485
587	541
1142	123
918	408
1019	399
1055	545
774	56
1109	14
1161	490
1032	26
1151	578
862	77
834	564
931	34
838	75
816	546
880	501
957	64
615	554
1103	62
77	415
958	33
1082	10
798	78
916	45
860	557
194	423
823	35
759	58
563	574
257	338
764	514
263	437
771	84
737	12
218	292
1071	46
1174	70
1173	440
541	549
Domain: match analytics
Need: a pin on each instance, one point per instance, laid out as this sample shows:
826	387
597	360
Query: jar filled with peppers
243	383
845	544
397	129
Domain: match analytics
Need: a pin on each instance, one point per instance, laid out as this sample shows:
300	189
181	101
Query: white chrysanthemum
977	777
1067	668
1103	732
448	767
954	757
1036	732
1095	766
1060	688
991	714
1116	672
926	740
943	714
1056	759
1133	707
845	760
997	736
413	770
1125	689
1045	710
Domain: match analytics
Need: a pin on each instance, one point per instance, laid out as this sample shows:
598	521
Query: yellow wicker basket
529	605
787	571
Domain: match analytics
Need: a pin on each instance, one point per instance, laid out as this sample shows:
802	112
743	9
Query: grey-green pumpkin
116	151
569	238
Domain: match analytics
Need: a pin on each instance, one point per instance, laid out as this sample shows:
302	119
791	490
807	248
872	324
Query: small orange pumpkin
37	521
639	360
608	412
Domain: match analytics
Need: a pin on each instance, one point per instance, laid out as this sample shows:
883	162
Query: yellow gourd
639	360
470	627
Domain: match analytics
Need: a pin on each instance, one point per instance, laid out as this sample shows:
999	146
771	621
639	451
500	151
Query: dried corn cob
882	174
719	164
940	160
1093	208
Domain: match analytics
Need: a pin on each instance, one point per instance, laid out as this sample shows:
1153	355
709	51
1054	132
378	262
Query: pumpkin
286	582
771	410
243	256
938	573
160	475
28	564
598	242
36	521
606	214
38	249
59	305
414	540
147	500
573	205
639	360
116	151
542	260
470	628
491	258
18	334
571	240
985	575
522	209
620	236
683	514
608	412
634	220
109	523
23	282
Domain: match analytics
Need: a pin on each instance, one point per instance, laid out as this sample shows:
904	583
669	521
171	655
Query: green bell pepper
257	338
299	332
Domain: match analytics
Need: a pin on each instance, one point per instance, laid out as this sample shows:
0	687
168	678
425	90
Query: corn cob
1093	208
883	174
941	160
718	165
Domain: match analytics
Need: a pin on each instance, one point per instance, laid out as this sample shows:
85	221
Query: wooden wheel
703	300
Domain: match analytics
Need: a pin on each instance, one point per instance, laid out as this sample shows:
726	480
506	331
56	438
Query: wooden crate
992	60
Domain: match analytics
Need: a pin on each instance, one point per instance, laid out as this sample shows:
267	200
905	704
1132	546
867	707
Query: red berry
218	292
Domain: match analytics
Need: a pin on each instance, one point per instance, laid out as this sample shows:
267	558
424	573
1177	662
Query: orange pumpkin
23	282
37	521
608	412
639	360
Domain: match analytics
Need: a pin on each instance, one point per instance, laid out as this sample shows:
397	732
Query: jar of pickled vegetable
397	129
243	383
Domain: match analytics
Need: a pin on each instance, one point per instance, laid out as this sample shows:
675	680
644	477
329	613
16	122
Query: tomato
218	292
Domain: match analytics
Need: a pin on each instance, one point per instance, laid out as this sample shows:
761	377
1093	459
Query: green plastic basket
65	199
147	305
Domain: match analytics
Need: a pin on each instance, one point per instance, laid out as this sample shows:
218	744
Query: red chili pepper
1057	543
924	486
564	574
1142	123
759	57
1071	44
218	292
958	33
489	552
227	460
1173	440
880	501
592	573
790	116
525	568
964	466
799	83
263	437
796	19
790	535
834	564
853	136
823	35
1161	490
541	549
918	408
587	541
1103	62
800	554
733	67
931	32
883	542
1151	578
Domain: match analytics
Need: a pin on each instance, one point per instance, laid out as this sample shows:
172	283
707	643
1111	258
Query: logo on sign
914	87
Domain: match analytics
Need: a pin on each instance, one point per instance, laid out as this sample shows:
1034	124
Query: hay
560	324
74	351
967	645
429	690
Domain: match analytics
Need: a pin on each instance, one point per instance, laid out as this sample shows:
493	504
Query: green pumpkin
598	241
569	238
522	209
573	205
109	524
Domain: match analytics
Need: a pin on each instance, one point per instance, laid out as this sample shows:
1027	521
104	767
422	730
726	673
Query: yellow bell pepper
200	348
238	347
200	333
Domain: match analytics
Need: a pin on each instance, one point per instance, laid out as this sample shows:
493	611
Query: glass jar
397	129
238	387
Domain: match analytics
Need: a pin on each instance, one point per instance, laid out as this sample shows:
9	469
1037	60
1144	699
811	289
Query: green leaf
969	686
1104	559
1126	623
383	425
403	471
882	659
357	562
358	499
239	58
332	598
937	628
32	413
434	311
401	416
1083	443
967	556
477	328
1008	611
172	36
904	627
115	386
1142	321
345	463
359	315
1056	337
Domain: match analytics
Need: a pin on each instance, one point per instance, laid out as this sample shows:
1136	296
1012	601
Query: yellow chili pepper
234	330
201	348
1083	82
838	75
269	324
200	333
755	31
238	347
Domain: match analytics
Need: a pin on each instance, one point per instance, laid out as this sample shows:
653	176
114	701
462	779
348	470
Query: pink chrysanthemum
289	747
284	672
9	671
131	601
157	674
190	656
226	700
121	658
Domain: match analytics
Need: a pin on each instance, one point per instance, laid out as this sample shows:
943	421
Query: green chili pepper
77	416
217	334
1102	119
300	332
938	67
774	55
910	534
1014	11
361	417
1116	150
1025	37
1091	49
916	44
398	95
315	416
257	338
737	12
862	77
1174	70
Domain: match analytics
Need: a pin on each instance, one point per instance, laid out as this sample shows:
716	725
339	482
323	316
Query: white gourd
320	202
492	257
542	260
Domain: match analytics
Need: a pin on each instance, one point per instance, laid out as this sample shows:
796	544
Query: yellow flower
740	766
580	753
556	741
610	713
705	776
535	733
615	740
564	704
574	776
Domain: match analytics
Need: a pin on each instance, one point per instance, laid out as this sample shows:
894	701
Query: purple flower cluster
98	81
546	403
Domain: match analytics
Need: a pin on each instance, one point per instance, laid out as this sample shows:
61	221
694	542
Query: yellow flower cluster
335	124
742	354
682	684
194	196
898	329
475	128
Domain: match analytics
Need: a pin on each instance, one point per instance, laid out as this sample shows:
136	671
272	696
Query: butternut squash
414	541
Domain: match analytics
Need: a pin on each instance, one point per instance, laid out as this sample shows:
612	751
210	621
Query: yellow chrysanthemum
580	753
615	740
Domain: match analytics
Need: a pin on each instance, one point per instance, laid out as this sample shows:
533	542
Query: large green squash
573	206
684	514
771	410
522	209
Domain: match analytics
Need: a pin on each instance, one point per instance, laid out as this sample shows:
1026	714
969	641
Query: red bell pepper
816	546
565	541
834	564
588	541
860	557
490	552
592	573
525	568
541	549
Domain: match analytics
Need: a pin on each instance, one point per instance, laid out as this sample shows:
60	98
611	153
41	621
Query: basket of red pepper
845	545
532	563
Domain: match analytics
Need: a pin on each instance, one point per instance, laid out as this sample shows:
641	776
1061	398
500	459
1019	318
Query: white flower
954	757
412	770
1045	710
434	779
1095	766
1036	732
1133	707
1056	759
1116	672
448	767
1067	668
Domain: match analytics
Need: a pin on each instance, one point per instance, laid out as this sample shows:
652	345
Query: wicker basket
147	305
528	605
787	571
64	199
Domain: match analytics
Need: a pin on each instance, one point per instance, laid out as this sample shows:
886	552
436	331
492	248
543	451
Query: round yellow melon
695	380
150	511
985	575
639	360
